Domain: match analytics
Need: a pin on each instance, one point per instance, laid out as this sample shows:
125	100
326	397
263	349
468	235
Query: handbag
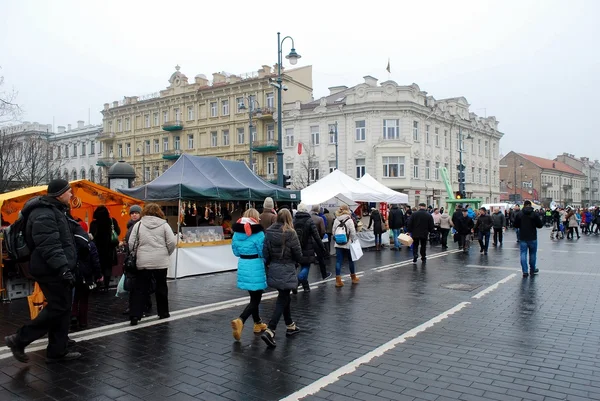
114	237
405	239
355	250
130	265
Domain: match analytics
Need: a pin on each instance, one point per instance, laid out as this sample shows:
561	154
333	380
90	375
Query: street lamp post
143	153
293	57
334	131
252	111
461	171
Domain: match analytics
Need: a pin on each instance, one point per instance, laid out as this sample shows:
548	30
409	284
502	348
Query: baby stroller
435	237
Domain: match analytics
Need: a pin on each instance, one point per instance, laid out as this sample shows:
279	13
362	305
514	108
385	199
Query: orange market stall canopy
87	196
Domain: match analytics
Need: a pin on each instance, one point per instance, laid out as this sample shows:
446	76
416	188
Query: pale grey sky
532	64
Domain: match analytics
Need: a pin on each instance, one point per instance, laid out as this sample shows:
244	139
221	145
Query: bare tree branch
10	111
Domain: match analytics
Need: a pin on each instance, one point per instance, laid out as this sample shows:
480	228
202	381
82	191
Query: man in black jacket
483	227
498	223
52	263
395	223
420	225
457	222
527	222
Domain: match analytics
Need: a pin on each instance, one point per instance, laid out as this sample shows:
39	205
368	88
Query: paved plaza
465	327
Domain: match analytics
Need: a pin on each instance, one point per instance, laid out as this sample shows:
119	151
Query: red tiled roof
551	164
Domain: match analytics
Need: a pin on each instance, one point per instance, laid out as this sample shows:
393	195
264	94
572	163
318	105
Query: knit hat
135	209
58	187
268	203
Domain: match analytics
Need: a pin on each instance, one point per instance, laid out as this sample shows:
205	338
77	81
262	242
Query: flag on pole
388	66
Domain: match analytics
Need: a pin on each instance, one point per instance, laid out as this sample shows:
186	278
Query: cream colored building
398	134
201	118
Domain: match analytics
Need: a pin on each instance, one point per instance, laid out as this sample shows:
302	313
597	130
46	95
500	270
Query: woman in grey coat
282	252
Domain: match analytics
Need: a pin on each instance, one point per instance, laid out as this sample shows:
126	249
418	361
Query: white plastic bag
355	250
121	287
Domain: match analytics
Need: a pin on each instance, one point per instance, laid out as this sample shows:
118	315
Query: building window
120	150
289	137
165	117
314	135
479	176
485	148
190	115
331	131
472	146
74	151
361	130
190	141
147	173
391	129
361	169
252	133
214	140
437	171
156	146
472	175
416	168
240	136
437	136
494	150
119	125
165	144
270	166
127	124
225	107
479	147
92	147
128	149
155	116
313	173
147	147
485	176
332	166
445	139
289	169
213	109
83	149
177	115
270	100
58	155
92	174
270	132
240	104
416	131
393	166
226	137
66	150
176	143
74	175
427	170
82	174
146	121
156	172
427	134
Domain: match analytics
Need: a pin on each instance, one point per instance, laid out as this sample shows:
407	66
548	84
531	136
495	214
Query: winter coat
281	251
102	238
420	224
157	242
267	218
484	223
350	230
528	222
309	238
329	226
377	222
445	221
251	273
462	224
88	262
48	231
471	213
498	220
395	218
588	218
319	223
572	219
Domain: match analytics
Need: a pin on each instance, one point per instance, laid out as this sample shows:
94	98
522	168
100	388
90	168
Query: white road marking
542	271
492	287
377	352
410	262
584	252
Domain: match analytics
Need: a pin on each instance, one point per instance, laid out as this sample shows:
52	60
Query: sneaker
17	351
292	329
237	325
69	356
259	327
534	271
423	260
415	259
525	275
329	274
269	338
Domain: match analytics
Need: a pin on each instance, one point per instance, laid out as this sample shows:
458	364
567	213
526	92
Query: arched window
82	175
92	174
74	175
66	175
100	175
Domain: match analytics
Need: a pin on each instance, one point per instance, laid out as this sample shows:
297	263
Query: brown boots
340	283
355	280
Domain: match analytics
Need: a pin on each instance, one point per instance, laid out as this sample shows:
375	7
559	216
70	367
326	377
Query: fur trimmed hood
247	225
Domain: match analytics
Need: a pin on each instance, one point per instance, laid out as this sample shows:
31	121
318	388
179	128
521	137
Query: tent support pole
178	237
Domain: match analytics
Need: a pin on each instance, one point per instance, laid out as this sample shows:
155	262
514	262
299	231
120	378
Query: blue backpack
341	233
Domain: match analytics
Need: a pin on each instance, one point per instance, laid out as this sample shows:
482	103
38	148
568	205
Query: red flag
299	148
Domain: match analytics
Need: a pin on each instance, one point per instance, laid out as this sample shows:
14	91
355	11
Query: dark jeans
484	240
530	246
80	303
321	261
416	242
340	254
252	308
54	320
282	307
377	239
498	235
328	243
571	231
444	239
141	288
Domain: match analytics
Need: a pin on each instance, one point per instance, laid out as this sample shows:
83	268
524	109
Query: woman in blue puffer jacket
247	244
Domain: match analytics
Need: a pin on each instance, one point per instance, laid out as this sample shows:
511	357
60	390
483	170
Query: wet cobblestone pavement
459	327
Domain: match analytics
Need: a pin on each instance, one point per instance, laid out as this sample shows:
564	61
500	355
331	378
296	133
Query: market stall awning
210	178
395	196
87	196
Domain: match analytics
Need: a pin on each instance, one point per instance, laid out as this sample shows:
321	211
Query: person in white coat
153	242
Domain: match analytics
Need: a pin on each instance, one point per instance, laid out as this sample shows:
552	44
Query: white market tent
338	185
396	197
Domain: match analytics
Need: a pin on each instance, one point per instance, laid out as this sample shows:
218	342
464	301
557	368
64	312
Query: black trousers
53	320
282	307
252	308
141	289
498	235
444	241
322	266
416	243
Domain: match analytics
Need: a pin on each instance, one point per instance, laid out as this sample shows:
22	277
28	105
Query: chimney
369	80
69	127
80	124
234	78
218	78
106	106
337	89
115	104
61	129
201	80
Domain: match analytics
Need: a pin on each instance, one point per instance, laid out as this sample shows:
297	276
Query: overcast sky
535	65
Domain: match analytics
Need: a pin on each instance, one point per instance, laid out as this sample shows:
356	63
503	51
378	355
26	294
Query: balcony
585	189
269	145
272	178
172	154
106	161
566	187
106	136
176	125
266	113
546	185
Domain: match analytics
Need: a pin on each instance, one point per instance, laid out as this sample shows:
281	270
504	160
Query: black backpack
303	232
15	241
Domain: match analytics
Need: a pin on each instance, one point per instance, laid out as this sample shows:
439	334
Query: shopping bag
121	287
405	239
36	301
355	250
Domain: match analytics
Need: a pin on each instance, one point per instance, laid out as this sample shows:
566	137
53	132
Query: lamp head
469	136
242	106
293	56
258	112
